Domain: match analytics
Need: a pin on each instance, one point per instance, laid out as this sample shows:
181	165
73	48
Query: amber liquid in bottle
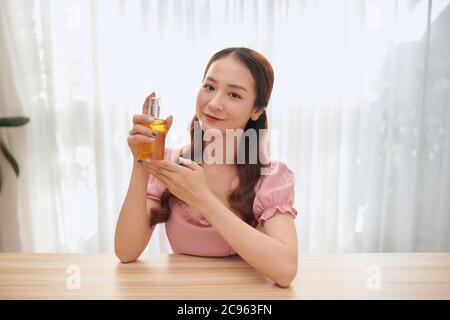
155	149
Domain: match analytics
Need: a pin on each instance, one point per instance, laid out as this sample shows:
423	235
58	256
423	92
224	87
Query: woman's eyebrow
228	85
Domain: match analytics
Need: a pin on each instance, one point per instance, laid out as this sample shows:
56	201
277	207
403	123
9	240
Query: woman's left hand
187	181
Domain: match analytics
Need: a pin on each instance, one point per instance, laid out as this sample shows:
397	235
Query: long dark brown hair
241	198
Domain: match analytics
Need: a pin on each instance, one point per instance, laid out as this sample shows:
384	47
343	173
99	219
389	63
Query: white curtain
361	106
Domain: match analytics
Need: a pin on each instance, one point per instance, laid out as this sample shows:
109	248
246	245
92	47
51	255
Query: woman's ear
257	113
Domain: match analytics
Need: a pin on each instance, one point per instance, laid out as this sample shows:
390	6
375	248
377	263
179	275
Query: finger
152	170
163	176
145	106
139	138
163	165
169	121
189	164
140	129
142	119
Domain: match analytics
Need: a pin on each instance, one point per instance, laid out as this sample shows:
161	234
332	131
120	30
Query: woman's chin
208	126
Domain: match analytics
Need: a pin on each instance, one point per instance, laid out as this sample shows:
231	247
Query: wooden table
320	276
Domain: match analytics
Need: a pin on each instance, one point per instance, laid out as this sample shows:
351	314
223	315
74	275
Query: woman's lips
211	119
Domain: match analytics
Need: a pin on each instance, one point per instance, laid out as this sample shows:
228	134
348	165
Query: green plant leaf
13	121
9	157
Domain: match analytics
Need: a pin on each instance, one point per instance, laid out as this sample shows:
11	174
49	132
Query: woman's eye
233	95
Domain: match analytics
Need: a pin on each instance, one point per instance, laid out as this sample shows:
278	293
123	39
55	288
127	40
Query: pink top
187	234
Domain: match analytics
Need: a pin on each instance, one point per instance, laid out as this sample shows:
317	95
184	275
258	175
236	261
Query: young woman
216	208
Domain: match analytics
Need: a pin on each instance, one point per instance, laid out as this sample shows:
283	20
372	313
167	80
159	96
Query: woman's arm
273	253
133	229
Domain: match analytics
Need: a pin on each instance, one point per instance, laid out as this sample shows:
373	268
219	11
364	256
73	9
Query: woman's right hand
140	132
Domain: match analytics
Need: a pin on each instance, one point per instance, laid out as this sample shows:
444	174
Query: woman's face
228	93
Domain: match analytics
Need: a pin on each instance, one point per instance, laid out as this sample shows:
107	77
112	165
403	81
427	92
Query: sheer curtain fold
360	106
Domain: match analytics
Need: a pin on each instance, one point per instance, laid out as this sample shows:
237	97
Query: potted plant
10	122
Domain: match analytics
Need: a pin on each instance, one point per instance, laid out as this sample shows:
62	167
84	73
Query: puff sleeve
155	188
275	193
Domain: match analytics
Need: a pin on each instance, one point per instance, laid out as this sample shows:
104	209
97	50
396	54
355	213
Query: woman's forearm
267	255
132	230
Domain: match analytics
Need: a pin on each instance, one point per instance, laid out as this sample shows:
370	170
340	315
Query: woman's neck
221	152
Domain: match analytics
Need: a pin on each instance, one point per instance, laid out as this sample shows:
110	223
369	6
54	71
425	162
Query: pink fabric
187	234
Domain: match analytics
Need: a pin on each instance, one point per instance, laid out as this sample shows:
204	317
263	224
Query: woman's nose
215	104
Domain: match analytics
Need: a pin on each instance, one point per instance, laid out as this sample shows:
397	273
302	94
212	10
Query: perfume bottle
155	149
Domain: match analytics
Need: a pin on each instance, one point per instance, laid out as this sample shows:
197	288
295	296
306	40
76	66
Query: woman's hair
241	198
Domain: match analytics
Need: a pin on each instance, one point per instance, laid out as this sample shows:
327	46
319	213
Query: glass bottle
155	149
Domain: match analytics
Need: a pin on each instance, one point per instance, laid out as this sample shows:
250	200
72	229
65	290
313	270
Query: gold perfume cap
155	104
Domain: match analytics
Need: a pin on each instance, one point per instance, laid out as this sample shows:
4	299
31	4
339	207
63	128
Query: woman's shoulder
276	172
275	191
